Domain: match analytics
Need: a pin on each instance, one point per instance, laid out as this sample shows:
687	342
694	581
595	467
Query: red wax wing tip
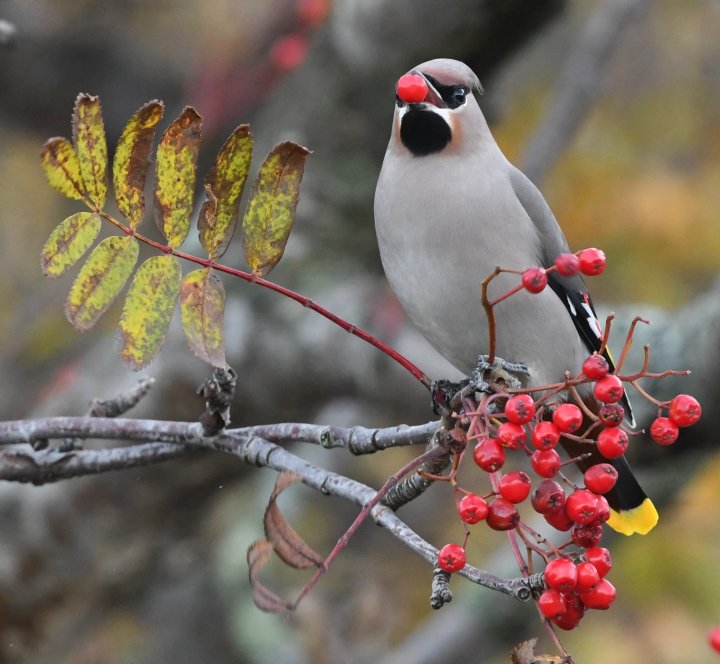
412	88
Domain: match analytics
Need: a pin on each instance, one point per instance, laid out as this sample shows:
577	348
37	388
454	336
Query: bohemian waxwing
449	208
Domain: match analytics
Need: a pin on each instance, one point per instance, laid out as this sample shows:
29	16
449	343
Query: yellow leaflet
148	309
202	307
61	166
175	172
68	242
271	210
224	186
131	161
100	280
89	139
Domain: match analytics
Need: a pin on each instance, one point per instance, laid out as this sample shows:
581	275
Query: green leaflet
89	139
61	166
202	308
223	188
175	172
100	280
68	242
271	210
148	309
131	160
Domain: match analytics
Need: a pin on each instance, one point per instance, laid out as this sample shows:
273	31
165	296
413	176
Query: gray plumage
446	219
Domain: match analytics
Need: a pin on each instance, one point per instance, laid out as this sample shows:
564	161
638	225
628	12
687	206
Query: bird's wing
571	290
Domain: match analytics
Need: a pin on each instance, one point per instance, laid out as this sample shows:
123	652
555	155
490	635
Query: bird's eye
459	95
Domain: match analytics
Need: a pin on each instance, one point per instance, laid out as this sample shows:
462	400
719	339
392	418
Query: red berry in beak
412	88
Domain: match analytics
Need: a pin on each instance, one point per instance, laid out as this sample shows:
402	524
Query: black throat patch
424	132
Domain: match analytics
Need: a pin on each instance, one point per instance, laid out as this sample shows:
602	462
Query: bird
449	207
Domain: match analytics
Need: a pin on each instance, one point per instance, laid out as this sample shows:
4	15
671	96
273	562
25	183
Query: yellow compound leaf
223	188
175	171
202	307
100	280
61	166
148	309
89	139
131	160
271	210
68	242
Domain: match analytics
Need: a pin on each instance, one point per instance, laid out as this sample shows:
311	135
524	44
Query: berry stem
628	341
606	333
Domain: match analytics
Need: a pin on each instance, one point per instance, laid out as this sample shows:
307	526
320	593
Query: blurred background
613	108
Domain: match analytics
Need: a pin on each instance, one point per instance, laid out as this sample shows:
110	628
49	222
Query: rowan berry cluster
532	423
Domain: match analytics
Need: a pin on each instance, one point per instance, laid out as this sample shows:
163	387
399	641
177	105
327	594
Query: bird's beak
433	96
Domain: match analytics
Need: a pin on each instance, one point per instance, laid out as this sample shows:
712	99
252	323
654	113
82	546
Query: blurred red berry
609	389
412	88
548	497
595	367
592	261
502	515
600	478
559	520
534	279
603	510
567	417
685	410
714	638
586	536
511	435
568	265
514	486
545	435
599	597
289	52
546	463
552	604
574	611
664	431
472	508
600	558
612	442
452	558
520	409
561	574
489	455
312	12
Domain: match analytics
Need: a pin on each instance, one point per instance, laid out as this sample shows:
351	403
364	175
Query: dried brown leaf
265	599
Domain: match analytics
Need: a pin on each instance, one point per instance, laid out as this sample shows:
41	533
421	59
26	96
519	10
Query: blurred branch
579	85
38	467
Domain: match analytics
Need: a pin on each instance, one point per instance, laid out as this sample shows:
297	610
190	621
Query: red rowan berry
587	576
586	536
581	506
567	417
603	510
599	597
412	88
568	265
502	515
546	463
452	558
611	414
489	455
289	52
548	497
600	478
714	638
612	442
559	520
514	486
592	261
545	435
534	279
595	367
520	408
552	604
511	435
609	389
574	611
685	410
472	508
664	431
561	574
600	558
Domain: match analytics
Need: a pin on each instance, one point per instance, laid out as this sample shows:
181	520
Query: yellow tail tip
641	519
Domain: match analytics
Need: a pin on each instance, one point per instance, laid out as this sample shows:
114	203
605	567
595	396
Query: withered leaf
91	146
265	599
288	545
